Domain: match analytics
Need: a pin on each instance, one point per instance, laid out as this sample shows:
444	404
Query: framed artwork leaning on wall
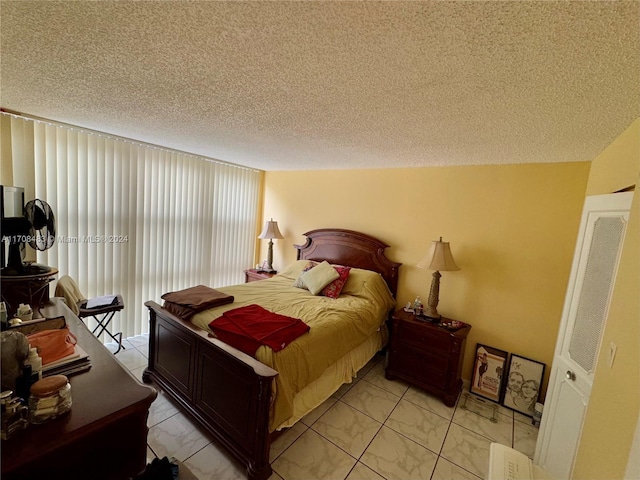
488	372
523	382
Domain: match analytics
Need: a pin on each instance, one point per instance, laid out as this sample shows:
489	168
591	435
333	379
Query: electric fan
34	224
42	234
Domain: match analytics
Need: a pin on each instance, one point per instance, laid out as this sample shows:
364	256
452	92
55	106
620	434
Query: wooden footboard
225	390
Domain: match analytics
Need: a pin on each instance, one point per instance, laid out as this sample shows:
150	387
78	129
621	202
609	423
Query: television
15	229
12	202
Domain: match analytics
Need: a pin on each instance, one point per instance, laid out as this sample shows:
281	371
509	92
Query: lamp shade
439	257
270	230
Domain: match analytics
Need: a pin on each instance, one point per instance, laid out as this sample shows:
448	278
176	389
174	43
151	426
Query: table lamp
270	231
439	259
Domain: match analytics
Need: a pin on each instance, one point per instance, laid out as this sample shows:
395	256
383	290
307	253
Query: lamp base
431	311
269	268
434	315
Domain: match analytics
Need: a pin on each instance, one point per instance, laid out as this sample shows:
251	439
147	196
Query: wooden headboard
350	248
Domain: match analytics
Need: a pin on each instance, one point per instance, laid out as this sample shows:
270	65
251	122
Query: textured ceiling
314	85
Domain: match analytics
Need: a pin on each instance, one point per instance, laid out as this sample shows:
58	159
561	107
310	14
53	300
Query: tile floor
371	429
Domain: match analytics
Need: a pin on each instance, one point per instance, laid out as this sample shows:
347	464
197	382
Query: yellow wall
614	406
512	230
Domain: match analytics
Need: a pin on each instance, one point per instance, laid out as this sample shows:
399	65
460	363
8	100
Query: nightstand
253	275
427	355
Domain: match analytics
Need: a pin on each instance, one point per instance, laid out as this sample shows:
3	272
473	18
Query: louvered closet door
595	264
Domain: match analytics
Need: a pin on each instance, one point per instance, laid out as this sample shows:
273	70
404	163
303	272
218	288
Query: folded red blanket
246	328
186	303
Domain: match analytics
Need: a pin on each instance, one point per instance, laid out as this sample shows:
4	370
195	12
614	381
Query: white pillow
319	277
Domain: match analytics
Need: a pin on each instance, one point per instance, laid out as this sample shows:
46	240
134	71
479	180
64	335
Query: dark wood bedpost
146	375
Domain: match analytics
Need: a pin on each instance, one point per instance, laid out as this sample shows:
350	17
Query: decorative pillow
334	288
319	277
299	283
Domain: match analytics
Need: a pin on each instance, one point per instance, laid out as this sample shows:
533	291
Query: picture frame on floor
522	386
488	372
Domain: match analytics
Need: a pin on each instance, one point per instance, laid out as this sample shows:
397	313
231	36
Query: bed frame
225	390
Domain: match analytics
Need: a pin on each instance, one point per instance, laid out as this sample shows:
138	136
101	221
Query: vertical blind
132	218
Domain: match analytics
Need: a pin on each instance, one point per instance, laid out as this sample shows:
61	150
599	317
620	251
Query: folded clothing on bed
246	328
186	303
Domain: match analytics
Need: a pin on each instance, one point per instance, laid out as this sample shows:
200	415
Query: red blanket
246	328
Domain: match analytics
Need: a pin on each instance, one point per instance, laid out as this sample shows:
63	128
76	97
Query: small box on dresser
427	355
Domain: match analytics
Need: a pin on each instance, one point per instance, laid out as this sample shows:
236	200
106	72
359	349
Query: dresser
427	355
103	437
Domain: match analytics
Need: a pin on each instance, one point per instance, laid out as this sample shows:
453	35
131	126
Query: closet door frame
578	344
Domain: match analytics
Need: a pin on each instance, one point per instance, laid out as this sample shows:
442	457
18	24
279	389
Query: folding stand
107	313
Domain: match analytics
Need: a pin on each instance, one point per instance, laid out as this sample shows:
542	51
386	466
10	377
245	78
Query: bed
242	400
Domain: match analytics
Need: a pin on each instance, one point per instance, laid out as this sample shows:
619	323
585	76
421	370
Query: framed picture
523	381
488	369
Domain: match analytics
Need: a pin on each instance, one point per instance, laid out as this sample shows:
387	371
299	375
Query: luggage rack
103	314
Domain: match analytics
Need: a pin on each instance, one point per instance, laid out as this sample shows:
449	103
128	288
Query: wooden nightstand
427	355
253	275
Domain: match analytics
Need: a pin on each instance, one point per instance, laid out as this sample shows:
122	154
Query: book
102	301
71	364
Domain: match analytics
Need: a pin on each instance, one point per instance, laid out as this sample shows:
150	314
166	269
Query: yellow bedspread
337	326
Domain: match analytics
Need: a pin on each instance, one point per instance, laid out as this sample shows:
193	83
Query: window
132	218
